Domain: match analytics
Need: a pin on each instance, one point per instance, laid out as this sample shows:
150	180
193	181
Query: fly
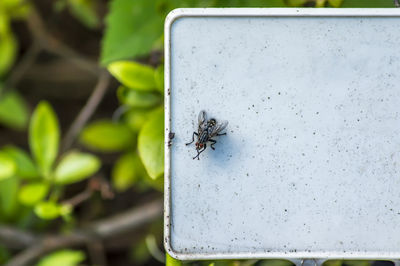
207	129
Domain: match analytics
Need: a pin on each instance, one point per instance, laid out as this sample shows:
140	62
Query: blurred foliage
275	263
339	3
13	110
4	254
134	98
127	170
107	136
83	10
143	119
32	193
367	4
151	144
44	135
27	182
132	29
32	185
74	167
8	50
134	75
347	263
66	257
171	261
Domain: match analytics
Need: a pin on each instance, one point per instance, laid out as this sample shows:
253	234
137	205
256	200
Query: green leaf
136	118
85	12
33	193
25	166
320	3
134	98
76	166
253	3
8	197
107	136
333	263
356	263
5	254
133	75
7	166
13	111
8	52
44	137
65	257
126	171
335	3
344	3
276	263
16	9
140	253
4	24
151	144
296	3
159	78
47	210
132	27
170	261
369	3
148	182
66	209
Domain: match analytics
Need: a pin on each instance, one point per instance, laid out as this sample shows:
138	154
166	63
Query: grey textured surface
312	157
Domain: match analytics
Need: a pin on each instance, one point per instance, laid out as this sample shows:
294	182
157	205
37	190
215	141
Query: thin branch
78	198
103	229
48	42
25	257
101	184
95	184
125	222
22	66
16	239
87	111
121	110
43	40
46	245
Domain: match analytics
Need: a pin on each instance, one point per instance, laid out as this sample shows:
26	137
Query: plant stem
87	111
119	224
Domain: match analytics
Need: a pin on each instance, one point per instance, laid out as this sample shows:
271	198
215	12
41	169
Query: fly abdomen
203	137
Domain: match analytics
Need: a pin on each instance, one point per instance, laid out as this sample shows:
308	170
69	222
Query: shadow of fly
207	129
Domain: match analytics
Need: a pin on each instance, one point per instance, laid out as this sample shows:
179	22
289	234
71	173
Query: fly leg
194	133
198	152
221	134
212	143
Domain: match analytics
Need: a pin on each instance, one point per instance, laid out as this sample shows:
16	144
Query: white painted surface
311	162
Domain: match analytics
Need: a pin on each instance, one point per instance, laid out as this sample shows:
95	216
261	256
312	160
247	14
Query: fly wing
202	118
219	127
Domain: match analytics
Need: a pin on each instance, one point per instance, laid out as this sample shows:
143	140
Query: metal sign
310	165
